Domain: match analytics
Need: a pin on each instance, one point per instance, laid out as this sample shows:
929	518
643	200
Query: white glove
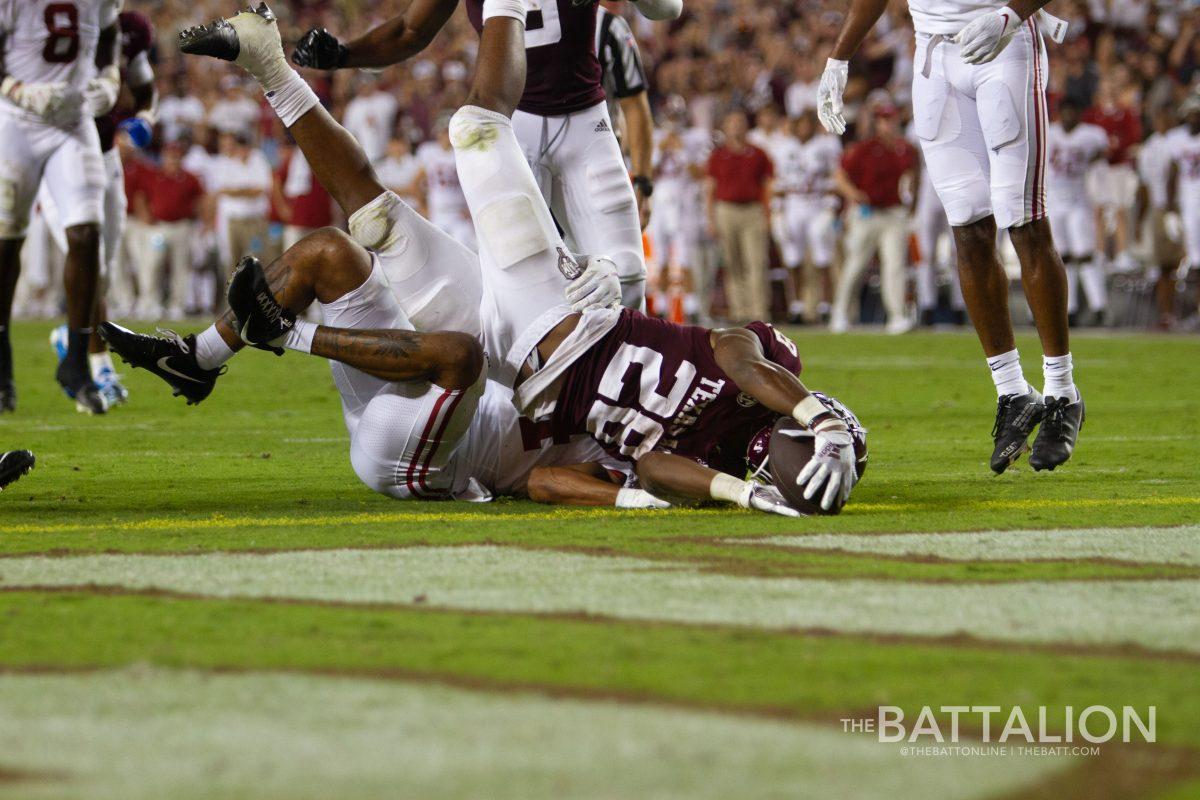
986	36
831	466
658	10
102	91
597	287
638	498
57	103
829	95
767	499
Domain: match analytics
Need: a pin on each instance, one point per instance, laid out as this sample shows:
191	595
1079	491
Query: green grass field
204	602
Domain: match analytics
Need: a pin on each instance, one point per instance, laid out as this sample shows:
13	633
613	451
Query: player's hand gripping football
597	287
831	467
986	36
319	49
829	95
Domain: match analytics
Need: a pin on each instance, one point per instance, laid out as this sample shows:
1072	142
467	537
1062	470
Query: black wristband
643	184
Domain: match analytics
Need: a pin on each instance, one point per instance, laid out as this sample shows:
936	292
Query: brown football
792	445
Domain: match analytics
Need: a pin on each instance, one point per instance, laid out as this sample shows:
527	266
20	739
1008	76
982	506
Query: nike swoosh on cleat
163	366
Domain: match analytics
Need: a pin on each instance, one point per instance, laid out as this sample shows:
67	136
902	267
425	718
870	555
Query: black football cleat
8	396
80	387
170	356
260	320
1060	429
13	465
219	38
1016	417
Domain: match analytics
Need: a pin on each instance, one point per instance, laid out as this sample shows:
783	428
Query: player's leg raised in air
434	277
527	269
407	397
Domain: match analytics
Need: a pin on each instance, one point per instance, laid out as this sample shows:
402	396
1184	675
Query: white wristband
504	8
809	409
730	489
835	63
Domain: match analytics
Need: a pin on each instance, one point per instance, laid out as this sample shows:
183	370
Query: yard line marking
414	516
1139	545
1160	615
151	733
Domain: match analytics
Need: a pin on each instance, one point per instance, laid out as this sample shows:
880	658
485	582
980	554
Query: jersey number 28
62	23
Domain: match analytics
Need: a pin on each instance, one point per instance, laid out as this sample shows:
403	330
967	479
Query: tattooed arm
450	360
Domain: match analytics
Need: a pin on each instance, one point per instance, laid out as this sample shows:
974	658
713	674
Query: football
791	448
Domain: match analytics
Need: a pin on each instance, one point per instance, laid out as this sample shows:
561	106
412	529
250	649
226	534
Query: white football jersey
1069	154
443	192
1154	165
398	174
370	118
1185	153
948	16
502	447
673	178
806	168
54	41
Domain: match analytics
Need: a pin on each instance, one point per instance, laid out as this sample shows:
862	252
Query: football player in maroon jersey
561	120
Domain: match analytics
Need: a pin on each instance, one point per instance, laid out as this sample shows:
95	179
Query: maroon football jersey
563	73
137	35
654	385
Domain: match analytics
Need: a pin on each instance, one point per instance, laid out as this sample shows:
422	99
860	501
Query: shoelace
1001	412
1052	423
171	336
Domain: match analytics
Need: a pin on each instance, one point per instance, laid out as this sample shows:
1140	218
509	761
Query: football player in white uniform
979	103
1161	227
804	167
59	68
1183	181
401	304
1073	147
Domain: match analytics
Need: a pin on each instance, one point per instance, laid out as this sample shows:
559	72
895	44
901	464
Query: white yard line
1148	545
155	734
1158	614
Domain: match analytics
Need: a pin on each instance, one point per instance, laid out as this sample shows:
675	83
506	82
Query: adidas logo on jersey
602	127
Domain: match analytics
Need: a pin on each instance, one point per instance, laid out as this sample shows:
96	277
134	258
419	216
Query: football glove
829	95
831	467
767	499
102	91
597	287
986	36
140	131
638	498
319	49
59	104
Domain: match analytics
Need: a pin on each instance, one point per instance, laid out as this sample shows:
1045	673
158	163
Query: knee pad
475	128
376	225
513	230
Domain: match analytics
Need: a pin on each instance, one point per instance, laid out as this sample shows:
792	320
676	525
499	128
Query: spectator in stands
400	171
870	178
739	211
235	112
167	203
1115	183
371	117
303	203
240	179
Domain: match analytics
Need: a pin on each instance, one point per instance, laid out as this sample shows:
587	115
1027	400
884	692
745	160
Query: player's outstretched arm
681	479
585	485
862	17
396	40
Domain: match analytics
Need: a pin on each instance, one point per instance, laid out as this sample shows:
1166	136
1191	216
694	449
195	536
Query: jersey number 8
62	22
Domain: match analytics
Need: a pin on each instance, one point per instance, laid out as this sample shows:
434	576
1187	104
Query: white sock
290	96
1060	382
300	337
211	350
1007	375
98	362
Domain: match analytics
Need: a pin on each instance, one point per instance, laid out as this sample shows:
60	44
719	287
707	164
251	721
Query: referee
624	81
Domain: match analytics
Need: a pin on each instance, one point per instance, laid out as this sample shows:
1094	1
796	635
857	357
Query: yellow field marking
221	522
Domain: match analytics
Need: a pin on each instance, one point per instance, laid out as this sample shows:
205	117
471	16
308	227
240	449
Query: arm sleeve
621	58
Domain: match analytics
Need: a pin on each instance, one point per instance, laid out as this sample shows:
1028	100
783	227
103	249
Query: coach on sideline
739	213
870	177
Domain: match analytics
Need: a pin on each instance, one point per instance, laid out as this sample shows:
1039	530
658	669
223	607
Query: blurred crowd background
220	178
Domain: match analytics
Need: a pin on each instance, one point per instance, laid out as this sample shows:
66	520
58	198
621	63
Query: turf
262	465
